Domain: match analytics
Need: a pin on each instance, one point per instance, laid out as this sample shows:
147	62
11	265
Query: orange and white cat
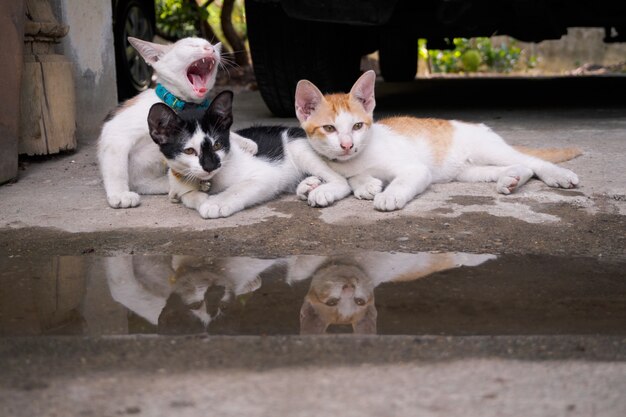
395	159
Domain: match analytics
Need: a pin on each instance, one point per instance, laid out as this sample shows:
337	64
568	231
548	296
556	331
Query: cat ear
367	325
308	99
163	123
310	320
151	52
221	108
363	90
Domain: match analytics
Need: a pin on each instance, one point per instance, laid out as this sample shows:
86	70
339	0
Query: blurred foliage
238	19
476	55
177	19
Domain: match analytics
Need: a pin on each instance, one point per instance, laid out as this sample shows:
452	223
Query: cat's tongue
198	73
198	84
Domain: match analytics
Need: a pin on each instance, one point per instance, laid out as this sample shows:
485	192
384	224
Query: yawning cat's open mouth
198	74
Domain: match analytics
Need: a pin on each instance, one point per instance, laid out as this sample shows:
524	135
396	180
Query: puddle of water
364	292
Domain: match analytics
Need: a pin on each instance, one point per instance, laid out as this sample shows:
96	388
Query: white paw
513	178
249	146
213	210
306	186
125	199
389	201
173	196
326	194
555	176
507	184
368	190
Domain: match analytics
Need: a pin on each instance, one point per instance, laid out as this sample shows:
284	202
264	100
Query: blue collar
176	103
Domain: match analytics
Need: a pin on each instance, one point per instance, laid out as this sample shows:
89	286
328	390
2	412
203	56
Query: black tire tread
285	51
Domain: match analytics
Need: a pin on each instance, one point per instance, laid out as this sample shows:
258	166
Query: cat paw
211	210
125	199
250	286
507	184
326	194
306	186
513	178
249	146
558	177
368	190
174	197
389	201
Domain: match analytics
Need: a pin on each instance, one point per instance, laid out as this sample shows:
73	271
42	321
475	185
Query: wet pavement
364	292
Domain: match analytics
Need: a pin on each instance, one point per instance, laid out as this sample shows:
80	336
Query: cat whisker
225	69
190	176
227	57
227	62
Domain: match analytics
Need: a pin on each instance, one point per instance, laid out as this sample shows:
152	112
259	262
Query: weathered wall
11	33
89	45
580	46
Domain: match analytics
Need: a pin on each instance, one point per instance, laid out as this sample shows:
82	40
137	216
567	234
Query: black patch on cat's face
172	131
168	130
216	124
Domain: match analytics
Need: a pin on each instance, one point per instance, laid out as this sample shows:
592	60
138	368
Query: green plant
215	20
179	18
238	19
475	55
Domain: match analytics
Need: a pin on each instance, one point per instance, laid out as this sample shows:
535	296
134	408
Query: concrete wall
89	45
580	46
12	35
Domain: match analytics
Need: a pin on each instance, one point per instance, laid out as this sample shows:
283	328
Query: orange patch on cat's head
315	110
327	111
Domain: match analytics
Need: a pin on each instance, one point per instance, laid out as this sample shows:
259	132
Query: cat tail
553	155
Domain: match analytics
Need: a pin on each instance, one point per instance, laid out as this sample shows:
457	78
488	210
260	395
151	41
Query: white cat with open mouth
130	162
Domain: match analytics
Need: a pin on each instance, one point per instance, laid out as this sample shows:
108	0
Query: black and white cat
129	162
199	148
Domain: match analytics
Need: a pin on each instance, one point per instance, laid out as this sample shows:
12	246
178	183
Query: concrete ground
58	208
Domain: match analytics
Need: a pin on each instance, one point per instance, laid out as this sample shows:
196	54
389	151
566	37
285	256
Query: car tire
286	50
131	18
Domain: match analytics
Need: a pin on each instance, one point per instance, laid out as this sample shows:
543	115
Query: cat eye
359	301
357	126
217	146
331	302
329	128
190	151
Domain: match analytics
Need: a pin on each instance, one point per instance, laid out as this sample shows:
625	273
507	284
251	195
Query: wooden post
11	29
48	109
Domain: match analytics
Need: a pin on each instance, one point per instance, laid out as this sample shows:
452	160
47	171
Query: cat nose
347	290
208	48
346	146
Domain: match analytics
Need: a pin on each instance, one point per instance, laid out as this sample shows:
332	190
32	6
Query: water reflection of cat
342	288
181	294
169	291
